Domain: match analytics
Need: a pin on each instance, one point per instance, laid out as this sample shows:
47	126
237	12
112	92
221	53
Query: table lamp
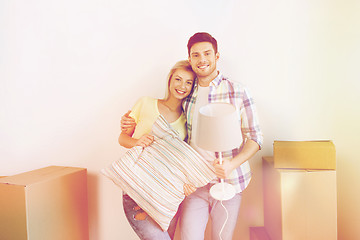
219	130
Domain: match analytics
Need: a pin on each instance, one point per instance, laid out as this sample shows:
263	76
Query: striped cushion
154	176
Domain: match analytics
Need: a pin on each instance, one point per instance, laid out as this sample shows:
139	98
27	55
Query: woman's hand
145	140
127	122
127	130
189	189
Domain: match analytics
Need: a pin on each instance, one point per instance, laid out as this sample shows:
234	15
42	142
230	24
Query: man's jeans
146	229
196	209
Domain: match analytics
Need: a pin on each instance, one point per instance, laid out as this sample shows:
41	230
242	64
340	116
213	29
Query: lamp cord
227	216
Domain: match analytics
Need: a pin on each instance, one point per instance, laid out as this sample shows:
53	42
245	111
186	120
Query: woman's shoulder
143	107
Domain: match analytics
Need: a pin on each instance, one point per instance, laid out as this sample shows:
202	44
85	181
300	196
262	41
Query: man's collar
216	82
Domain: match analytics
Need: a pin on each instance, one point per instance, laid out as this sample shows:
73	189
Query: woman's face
181	83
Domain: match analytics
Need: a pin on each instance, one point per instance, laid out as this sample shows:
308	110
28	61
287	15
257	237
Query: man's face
203	60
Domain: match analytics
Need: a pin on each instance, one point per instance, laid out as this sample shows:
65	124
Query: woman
146	110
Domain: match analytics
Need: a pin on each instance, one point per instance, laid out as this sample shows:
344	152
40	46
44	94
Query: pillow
154	176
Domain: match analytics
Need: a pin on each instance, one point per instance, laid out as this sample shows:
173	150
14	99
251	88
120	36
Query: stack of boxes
299	185
47	203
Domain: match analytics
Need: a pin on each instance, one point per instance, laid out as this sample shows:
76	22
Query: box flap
39	175
305	154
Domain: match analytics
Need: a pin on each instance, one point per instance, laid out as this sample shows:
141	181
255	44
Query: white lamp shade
218	128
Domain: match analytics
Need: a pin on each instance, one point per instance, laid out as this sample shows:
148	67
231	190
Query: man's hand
145	140
127	122
189	189
223	170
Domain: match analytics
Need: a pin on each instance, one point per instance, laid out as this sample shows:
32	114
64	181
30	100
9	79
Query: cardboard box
48	203
272	199
258	233
305	155
299	204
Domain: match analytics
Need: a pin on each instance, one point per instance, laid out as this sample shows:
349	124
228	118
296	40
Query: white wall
70	69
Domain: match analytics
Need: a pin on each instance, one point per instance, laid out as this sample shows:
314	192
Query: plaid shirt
223	90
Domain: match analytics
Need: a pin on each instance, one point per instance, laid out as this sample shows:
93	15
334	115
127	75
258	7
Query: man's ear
217	56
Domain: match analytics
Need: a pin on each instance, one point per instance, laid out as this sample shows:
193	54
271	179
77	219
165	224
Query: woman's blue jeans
147	229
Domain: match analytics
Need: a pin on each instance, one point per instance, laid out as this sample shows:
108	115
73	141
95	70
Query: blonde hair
182	64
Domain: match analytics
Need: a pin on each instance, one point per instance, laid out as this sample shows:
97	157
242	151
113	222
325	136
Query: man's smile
203	66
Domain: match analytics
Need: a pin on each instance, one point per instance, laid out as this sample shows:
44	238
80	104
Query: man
212	86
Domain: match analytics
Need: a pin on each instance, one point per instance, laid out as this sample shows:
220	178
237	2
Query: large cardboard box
299	204
44	204
305	155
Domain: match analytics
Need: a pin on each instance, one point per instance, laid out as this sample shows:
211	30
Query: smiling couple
191	84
